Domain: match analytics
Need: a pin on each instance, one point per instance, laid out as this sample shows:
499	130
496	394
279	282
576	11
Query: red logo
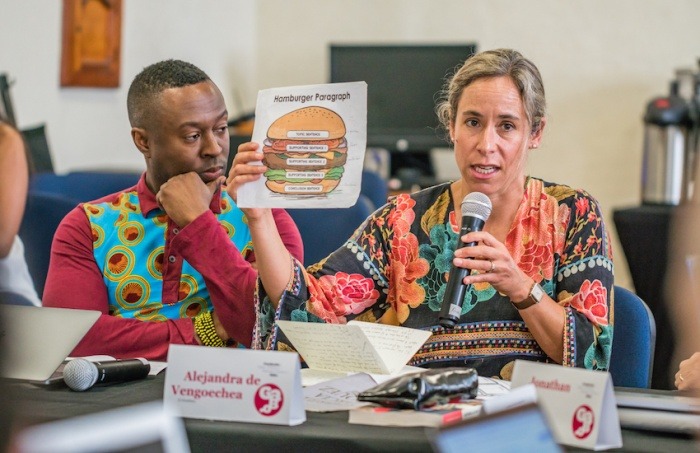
583	422
269	400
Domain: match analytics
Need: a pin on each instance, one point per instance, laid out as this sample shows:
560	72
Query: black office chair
325	230
42	214
634	340
234	142
39	151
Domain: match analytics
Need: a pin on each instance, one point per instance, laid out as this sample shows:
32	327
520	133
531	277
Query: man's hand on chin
185	197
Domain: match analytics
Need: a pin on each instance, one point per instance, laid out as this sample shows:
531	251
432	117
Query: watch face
537	292
535	296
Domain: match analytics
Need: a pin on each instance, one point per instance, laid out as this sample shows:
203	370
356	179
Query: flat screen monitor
403	84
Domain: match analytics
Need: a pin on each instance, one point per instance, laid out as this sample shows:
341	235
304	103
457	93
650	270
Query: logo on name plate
269	400
583	422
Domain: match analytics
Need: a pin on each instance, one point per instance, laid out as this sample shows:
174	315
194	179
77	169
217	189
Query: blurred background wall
601	63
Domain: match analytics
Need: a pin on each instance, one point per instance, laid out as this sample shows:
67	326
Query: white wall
601	62
88	127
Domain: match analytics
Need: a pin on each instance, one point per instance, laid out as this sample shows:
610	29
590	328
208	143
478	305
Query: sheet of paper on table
310	376
354	347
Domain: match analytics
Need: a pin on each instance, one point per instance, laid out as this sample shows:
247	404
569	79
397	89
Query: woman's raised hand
494	265
246	167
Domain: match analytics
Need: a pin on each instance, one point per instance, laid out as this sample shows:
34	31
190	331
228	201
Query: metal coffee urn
666	160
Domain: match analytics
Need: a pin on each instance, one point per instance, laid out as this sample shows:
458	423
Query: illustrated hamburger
305	152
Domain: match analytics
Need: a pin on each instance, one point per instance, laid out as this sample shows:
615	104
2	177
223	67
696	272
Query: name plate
234	385
579	404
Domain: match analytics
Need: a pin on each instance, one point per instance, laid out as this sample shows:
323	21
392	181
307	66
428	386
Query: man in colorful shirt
169	260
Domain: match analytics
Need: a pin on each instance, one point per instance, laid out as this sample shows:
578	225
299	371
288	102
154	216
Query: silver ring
493	267
680	376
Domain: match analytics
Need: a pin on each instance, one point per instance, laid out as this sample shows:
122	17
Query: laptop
141	428
34	341
658	410
495	433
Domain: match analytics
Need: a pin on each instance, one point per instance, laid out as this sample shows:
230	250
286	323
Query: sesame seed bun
308	119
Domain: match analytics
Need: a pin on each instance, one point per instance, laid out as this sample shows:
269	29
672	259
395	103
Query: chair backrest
83	186
234	141
374	187
634	340
325	230
42	214
38	146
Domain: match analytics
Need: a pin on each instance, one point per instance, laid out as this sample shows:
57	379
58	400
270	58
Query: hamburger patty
311	161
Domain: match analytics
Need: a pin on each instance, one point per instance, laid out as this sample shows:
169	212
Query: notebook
34	341
658	410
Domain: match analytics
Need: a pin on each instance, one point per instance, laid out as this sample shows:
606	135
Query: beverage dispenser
667	161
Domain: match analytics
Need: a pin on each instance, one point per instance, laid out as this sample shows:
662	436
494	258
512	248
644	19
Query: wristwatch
535	296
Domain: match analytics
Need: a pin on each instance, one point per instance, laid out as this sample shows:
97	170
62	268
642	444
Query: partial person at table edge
682	291
16	283
170	260
688	375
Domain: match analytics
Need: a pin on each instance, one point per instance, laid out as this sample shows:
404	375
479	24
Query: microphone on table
476	208
82	374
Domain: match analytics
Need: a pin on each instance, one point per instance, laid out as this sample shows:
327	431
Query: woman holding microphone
540	274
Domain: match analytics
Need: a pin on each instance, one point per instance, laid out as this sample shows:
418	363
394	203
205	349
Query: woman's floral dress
394	270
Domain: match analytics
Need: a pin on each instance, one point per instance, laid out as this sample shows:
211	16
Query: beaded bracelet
205	330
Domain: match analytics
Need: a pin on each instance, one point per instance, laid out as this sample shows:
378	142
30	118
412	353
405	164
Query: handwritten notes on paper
338	394
354	347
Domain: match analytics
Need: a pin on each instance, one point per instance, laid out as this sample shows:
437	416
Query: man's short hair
141	101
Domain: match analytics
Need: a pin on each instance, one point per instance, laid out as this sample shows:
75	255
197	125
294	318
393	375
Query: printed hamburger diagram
305	152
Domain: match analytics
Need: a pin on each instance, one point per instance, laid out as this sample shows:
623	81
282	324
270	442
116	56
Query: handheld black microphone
476	208
82	374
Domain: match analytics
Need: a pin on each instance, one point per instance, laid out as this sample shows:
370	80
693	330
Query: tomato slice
281	145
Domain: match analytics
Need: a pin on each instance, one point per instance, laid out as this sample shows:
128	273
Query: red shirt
75	281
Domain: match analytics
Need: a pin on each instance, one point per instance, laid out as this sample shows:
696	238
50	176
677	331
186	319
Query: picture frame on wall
91	46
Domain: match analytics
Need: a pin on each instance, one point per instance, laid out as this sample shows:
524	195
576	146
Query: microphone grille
80	374
476	204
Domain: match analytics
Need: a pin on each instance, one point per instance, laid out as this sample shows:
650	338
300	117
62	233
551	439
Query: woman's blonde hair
495	63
